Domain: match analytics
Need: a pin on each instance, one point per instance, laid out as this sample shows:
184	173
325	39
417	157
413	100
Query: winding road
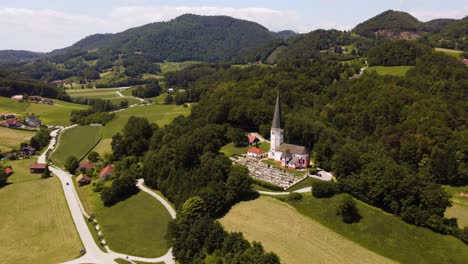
93	253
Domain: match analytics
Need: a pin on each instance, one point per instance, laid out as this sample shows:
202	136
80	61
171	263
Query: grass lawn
307	182
57	114
175	66
36	225
451	52
459	207
294	237
12	138
102	93
136	226
391	70
386	234
77	141
231	150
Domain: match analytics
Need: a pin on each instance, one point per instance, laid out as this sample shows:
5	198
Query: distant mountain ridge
18	55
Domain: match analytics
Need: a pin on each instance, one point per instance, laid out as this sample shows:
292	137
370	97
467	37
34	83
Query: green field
386	234
307	182
36	225
459	207
103	93
57	114
294	237
175	66
77	141
231	150
136	226
390	70
451	52
12	138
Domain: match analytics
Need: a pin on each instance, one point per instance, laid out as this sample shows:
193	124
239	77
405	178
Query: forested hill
188	37
18	55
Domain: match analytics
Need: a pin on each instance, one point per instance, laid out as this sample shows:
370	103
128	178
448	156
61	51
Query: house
47	102
37	167
8	171
256	153
8	116
465	60
28	151
33	121
289	155
35	99
106	173
170	90
12	123
253	140
82	179
17	97
85	166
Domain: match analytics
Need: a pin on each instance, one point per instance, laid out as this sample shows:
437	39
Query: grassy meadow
77	141
294	237
390	70
36	225
175	66
57	114
451	52
12	138
136	226
385	234
459	207
231	150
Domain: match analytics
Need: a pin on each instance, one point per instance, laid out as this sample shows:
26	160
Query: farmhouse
253	140
17	97
106	173
37	167
8	171
28	151
12	123
8	116
85	166
256	153
82	179
289	155
33	121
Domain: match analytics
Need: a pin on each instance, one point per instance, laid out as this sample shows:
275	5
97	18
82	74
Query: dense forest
397	53
18	55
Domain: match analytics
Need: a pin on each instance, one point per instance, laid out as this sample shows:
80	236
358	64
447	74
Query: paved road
93	253
303	190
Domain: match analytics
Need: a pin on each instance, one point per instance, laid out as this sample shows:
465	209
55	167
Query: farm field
390	70
385	234
141	236
103	93
12	138
175	66
77	141
57	114
451	52
294	237
459	207
36	224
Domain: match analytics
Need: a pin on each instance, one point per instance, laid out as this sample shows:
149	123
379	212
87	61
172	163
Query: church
289	155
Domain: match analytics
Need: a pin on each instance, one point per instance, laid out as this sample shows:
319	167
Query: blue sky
46	25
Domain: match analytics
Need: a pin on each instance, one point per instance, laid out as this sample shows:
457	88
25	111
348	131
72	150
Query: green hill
18	55
389	24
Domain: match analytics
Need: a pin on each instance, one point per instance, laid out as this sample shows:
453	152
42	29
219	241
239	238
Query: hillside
188	37
18	55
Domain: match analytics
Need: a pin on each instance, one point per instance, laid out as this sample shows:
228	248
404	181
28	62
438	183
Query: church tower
277	132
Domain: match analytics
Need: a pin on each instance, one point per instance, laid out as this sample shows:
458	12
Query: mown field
386	234
451	52
459	207
231	150
57	114
136	226
390	70
294	237
175	66
36	225
77	141
103	93
12	138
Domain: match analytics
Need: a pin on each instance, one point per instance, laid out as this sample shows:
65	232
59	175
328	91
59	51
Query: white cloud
425	15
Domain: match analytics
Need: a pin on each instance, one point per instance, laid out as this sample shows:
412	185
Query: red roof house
106	173
256	153
37	167
8	171
85	166
252	139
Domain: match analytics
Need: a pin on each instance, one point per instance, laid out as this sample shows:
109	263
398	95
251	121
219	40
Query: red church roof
256	151
107	169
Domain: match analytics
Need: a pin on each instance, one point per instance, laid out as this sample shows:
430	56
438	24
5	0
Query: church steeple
277	116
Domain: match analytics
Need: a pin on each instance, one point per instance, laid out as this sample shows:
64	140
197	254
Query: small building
8	171
256	153
106	173
82	179
28	151
253	140
8	116
17	97
47	102
37	167
465	60
170	90
12	123
33	121
35	99
85	167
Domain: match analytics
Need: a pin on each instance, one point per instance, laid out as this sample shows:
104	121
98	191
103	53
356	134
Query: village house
8	116
85	166
288	155
256	153
12	123
33	121
82	179
8	171
28	151
17	97
253	140
106	173
46	101
37	167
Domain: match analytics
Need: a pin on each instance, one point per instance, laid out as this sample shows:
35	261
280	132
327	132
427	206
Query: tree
46	173
348	210
323	189
237	136
93	156
193	209
71	164
238	183
169	99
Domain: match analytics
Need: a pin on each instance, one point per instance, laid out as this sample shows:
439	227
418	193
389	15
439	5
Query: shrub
294	196
323	189
348	210
71	164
